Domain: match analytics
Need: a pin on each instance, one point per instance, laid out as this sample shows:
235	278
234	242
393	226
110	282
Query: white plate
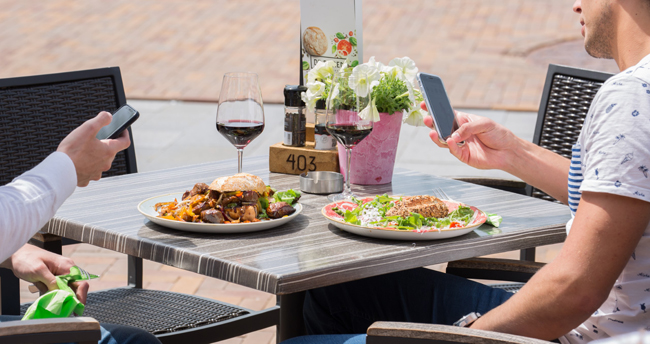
396	234
147	209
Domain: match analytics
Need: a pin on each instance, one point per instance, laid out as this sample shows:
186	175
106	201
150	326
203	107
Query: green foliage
346	99
389	95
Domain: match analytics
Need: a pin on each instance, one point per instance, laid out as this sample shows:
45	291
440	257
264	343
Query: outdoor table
307	252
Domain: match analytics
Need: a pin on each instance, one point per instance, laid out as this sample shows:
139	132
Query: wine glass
240	116
348	120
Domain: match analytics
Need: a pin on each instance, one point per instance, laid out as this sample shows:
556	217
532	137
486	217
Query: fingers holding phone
122	119
437	104
92	146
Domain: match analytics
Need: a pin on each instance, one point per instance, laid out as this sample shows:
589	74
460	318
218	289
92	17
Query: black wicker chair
36	113
568	93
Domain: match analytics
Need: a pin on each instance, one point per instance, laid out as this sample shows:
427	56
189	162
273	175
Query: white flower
321	71
380	66
314	93
407	66
333	94
370	113
393	71
363	79
415	117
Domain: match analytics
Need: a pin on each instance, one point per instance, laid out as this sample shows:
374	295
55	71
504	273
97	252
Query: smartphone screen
438	105
122	119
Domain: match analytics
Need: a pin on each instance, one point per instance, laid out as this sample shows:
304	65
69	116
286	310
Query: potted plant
394	101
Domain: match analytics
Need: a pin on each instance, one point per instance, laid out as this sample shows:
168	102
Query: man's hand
35	265
488	145
91	156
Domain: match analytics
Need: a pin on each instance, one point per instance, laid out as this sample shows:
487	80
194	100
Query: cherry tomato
351	33
336	39
455	225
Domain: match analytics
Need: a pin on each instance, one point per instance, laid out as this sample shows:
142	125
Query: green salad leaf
290	196
493	219
264	202
350	217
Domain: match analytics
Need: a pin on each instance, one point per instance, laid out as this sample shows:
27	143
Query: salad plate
147	208
361	218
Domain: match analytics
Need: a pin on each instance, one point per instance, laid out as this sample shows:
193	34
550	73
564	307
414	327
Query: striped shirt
575	178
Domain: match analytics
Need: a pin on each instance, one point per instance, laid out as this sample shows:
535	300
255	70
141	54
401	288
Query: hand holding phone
122	119
435	96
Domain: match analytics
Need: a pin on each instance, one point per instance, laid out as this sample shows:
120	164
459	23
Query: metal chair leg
9	293
135	272
527	254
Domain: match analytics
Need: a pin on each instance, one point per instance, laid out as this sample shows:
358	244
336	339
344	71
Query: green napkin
62	302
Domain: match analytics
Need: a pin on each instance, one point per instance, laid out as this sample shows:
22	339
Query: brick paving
491	54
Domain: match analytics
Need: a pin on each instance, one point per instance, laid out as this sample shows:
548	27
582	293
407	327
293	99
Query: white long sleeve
30	200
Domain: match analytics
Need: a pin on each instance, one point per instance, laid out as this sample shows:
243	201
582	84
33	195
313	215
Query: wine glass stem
240	157
348	153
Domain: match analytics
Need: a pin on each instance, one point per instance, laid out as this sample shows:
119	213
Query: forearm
540	168
547	307
606	231
28	202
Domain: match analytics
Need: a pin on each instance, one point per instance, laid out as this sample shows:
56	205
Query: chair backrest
37	112
568	93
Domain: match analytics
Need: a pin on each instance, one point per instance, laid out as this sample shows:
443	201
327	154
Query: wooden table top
307	252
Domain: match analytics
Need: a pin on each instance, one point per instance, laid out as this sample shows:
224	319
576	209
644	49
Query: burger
241	198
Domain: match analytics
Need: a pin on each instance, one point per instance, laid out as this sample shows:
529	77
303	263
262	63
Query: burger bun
239	182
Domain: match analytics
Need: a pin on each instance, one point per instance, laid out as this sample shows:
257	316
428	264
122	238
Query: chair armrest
516	186
382	332
58	330
494	269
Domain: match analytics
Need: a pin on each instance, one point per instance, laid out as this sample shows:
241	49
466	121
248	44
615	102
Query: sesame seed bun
239	182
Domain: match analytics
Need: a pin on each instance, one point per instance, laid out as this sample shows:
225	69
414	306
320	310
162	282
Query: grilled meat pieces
279	209
427	206
212	216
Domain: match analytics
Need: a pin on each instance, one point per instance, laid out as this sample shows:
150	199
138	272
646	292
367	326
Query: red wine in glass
349	134
240	115
240	132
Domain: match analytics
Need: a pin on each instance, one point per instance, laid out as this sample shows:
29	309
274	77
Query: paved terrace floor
492	55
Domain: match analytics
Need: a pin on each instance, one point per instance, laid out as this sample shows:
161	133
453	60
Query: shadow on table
163	235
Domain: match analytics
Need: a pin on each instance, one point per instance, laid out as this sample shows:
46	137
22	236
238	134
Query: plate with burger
234	204
405	217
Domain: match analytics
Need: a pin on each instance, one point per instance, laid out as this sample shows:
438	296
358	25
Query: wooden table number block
296	160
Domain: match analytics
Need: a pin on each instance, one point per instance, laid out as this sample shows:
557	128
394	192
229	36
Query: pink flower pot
373	159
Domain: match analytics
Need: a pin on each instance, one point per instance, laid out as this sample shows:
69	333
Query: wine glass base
340	197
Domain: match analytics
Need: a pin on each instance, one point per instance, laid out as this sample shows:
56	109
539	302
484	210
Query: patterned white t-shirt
612	155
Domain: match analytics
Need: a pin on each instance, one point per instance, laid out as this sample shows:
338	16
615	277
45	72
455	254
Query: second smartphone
122	119
438	105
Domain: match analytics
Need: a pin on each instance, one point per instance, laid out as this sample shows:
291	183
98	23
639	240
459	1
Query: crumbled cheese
369	214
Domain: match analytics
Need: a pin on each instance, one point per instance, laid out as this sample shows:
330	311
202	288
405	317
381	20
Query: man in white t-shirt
31	199
599	284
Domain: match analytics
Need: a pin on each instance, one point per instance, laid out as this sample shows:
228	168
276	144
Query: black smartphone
122	119
438	105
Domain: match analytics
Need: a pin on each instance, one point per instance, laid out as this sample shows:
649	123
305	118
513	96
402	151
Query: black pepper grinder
295	120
